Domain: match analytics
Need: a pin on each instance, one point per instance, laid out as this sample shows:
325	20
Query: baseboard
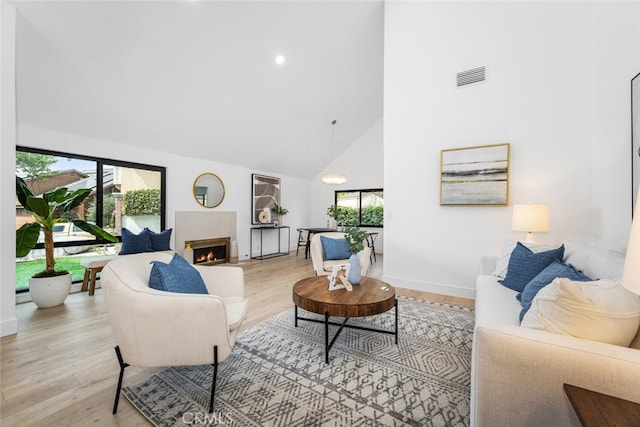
436	288
9	327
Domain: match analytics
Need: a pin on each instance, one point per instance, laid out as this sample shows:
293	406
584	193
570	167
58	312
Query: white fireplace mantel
196	225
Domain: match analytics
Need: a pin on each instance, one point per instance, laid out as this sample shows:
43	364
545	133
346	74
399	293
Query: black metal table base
342	325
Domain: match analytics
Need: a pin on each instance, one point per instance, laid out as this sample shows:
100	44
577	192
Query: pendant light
333	178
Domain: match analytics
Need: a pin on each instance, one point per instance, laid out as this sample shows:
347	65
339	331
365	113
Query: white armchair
322	266
155	328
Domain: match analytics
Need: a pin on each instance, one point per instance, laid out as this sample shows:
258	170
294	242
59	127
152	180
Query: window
123	194
364	208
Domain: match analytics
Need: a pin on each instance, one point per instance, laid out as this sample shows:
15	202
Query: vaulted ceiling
199	78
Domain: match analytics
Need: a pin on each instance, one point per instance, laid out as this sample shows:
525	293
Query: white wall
8	321
557	89
363	164
181	172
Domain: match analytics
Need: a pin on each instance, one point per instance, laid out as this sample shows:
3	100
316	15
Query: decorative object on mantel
333	178
265	194
50	287
355	239
530	218
475	176
208	190
279	212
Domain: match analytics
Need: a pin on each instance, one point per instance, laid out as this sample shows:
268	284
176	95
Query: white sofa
517	373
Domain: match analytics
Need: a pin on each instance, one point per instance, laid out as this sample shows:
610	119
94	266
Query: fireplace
210	251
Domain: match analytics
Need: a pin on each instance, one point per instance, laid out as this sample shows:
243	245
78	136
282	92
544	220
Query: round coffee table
370	297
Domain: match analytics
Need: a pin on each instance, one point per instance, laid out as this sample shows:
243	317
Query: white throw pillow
502	262
601	310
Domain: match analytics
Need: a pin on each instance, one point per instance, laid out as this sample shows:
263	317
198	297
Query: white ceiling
199	78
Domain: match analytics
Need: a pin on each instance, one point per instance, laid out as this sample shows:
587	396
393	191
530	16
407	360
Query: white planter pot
49	291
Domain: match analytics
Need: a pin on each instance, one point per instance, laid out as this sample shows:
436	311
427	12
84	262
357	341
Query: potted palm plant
355	239
50	287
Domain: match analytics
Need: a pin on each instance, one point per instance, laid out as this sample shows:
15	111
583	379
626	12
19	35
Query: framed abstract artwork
635	140
265	194
475	176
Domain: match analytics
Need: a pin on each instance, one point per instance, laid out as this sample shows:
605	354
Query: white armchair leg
215	374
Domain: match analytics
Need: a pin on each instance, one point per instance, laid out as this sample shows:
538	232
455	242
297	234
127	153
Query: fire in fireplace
210	251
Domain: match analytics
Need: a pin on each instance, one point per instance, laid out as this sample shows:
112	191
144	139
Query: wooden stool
93	266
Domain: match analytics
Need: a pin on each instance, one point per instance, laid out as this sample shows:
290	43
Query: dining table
371	237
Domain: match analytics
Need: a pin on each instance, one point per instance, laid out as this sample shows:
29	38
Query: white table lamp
530	218
631	272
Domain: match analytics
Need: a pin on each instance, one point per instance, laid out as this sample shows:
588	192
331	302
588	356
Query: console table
261	230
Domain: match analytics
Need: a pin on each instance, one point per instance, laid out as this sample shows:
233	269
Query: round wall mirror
208	190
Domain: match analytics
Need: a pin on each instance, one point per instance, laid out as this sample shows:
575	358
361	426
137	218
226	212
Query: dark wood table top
601	410
313	230
367	299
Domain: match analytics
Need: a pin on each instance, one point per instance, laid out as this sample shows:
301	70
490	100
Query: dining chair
302	240
371	240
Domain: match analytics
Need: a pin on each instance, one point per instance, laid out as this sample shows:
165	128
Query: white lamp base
530	238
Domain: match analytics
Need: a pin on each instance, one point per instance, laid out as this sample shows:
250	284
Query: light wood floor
61	370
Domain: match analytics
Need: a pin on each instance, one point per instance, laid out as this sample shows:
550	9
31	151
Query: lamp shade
530	218
631	272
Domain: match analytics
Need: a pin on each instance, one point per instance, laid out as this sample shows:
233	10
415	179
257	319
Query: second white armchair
324	266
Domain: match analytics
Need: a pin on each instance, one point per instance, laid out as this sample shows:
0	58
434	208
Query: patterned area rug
277	376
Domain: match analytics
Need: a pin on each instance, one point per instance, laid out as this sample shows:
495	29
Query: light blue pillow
552	271
335	248
135	243
177	276
524	265
160	241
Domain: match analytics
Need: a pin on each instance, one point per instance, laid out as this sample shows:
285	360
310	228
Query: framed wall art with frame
635	140
475	176
265	194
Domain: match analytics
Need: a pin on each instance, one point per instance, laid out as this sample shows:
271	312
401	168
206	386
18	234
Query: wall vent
475	75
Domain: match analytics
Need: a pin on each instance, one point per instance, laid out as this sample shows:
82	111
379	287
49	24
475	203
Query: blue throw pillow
552	271
524	265
177	276
135	243
160	241
335	248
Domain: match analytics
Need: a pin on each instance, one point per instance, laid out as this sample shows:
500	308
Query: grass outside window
26	269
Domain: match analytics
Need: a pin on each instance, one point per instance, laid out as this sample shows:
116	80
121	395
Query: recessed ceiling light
279	59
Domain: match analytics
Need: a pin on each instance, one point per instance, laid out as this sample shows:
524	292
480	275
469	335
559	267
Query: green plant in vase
49	209
355	238
279	211
334	213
